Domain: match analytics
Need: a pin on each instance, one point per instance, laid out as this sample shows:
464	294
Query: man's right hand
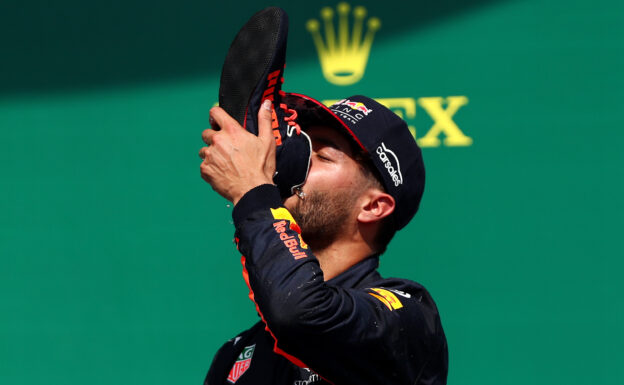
236	160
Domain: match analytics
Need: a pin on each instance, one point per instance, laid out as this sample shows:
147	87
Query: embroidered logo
242	364
387	298
358	106
294	244
392	164
350	110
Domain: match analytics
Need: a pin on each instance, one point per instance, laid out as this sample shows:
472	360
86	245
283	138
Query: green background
117	259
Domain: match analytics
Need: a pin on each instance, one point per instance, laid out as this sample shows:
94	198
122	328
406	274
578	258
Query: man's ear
375	206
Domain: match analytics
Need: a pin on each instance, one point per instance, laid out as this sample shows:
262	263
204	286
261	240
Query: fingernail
266	104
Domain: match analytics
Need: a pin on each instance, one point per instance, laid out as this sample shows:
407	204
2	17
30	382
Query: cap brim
310	111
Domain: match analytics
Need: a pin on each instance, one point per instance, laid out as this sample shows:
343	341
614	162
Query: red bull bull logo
358	106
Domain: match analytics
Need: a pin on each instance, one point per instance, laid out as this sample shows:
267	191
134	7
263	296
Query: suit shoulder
404	288
243	336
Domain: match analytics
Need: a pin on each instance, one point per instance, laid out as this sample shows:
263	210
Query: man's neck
340	255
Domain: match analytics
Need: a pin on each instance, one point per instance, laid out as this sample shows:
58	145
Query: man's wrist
260	197
250	185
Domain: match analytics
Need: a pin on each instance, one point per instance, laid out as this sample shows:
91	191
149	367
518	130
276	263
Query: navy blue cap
383	136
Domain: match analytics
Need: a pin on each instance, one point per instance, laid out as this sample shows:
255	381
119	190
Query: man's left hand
236	160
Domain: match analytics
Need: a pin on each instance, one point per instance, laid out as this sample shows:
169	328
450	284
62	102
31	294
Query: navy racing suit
356	328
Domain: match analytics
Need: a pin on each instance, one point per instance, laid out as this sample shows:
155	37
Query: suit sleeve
345	335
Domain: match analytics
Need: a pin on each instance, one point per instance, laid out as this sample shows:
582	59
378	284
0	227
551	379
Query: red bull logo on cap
358	106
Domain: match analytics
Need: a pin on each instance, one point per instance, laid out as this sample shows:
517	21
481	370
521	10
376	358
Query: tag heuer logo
242	364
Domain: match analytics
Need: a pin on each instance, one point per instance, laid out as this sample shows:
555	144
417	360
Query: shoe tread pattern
247	61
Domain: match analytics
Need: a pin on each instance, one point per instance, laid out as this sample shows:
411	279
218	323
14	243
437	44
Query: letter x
443	122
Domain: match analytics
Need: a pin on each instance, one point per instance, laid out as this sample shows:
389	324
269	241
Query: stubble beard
322	216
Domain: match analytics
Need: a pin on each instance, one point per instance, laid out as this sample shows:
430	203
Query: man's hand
236	160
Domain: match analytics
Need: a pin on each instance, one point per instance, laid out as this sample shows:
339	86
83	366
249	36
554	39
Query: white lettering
395	173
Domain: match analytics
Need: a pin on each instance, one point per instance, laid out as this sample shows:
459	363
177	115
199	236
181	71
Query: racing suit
356	328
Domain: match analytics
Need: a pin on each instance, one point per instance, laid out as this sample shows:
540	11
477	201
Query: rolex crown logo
343	58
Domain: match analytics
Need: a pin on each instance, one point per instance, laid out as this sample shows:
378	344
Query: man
310	260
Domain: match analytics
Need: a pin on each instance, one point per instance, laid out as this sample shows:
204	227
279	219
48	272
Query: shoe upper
253	72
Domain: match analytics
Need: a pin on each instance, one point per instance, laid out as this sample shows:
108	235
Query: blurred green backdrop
117	259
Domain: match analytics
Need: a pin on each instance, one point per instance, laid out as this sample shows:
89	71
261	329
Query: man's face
334	184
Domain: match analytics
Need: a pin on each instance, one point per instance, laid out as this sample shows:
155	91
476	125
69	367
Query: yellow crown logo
343	58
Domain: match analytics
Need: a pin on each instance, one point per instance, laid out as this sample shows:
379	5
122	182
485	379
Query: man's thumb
265	130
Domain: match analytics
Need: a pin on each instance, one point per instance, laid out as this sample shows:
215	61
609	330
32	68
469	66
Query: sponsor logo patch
242	364
387	298
313	378
358	106
294	244
350	110
391	162
283	213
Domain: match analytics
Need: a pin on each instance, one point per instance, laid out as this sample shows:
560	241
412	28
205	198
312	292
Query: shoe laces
291	117
291	114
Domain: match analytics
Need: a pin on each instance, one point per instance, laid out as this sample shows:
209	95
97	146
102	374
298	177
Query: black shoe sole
248	63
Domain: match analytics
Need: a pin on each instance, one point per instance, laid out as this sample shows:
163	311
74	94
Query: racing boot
253	72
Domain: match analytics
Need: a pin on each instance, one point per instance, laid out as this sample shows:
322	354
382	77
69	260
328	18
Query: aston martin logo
343	55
